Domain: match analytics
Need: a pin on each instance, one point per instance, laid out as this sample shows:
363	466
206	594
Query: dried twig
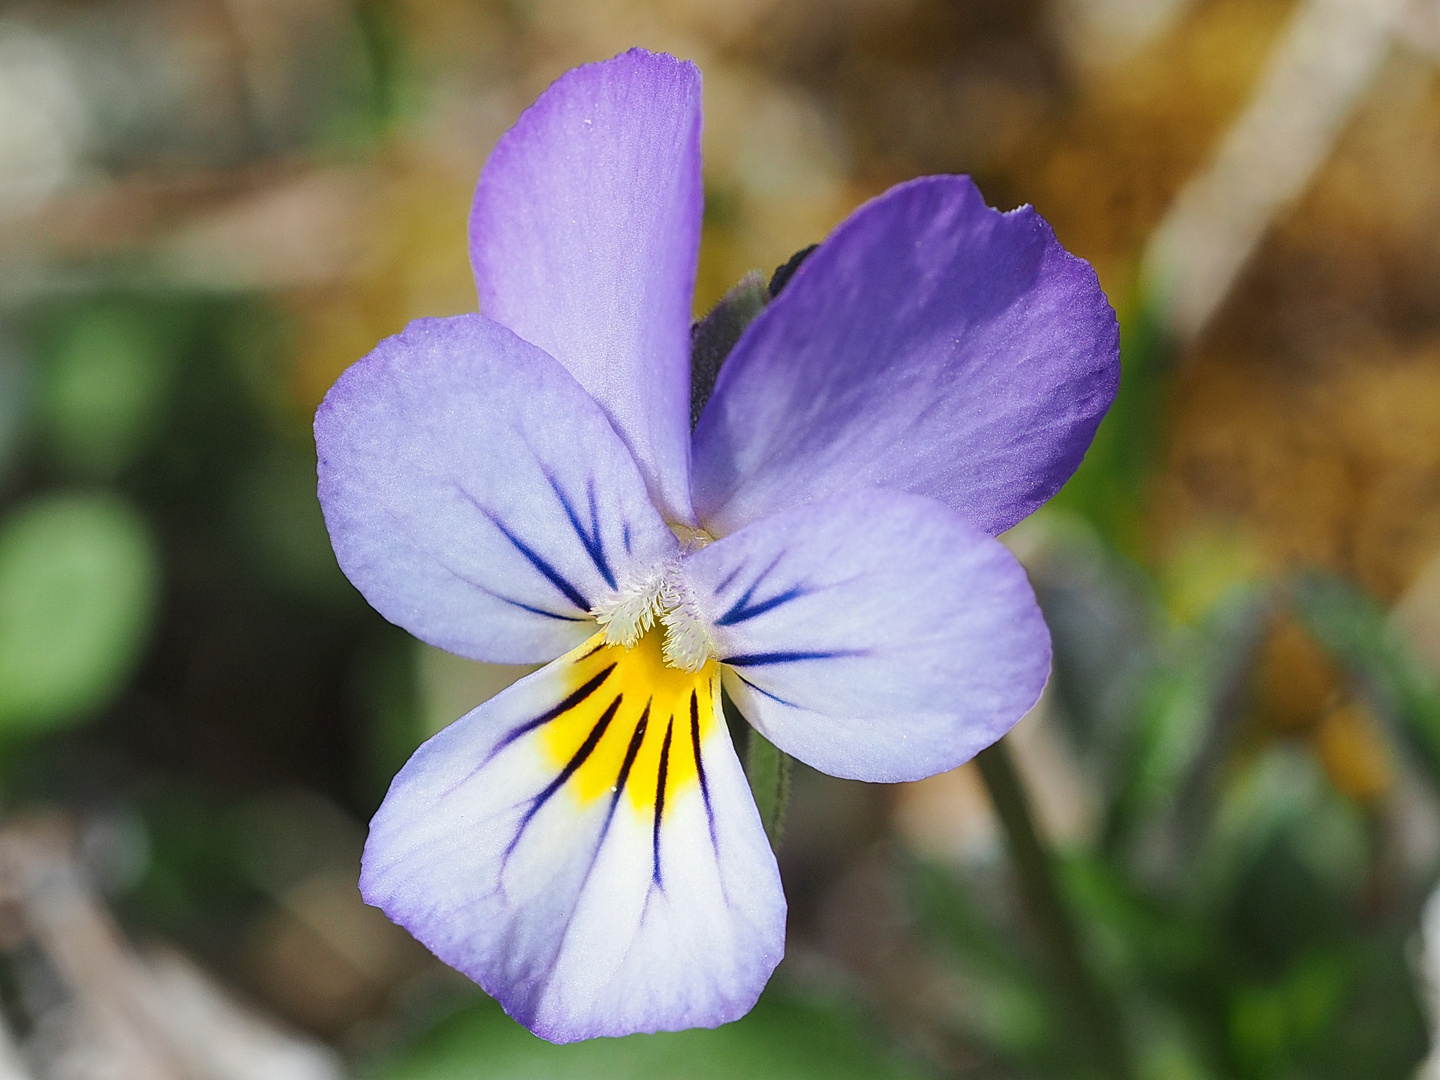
120	1015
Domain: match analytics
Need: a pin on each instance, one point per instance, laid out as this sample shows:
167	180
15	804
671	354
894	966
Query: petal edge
932	345
584	239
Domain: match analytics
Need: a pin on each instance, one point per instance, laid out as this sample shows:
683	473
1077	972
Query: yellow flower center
640	726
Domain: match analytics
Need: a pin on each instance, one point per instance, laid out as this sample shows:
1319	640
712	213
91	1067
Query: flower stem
1089	1008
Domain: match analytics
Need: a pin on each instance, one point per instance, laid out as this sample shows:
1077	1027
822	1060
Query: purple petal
584	846
931	345
584	239
476	495
874	635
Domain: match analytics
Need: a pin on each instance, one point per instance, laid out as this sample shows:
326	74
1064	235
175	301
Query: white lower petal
533	856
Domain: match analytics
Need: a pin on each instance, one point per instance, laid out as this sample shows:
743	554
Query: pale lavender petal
586	848
477	496
584	239
932	345
875	635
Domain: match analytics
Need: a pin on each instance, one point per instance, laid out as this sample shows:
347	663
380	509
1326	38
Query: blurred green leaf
1381	1029
1171	1060
1171	1041
385	693
1283	795
1108	487
767	767
78	582
195	888
16	393
277	515
1356	631
1182	719
780	1040
1269	1024
1135	937
1002	1003
1103	616
103	391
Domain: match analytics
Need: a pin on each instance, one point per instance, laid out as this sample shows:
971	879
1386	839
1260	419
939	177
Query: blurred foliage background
208	208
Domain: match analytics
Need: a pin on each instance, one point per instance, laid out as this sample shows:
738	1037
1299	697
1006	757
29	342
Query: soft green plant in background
79	582
103	392
782	1039
1248	919
80	573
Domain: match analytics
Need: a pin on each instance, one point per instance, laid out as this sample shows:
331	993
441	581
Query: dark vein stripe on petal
597	552
559	616
590	652
634	748
541	611
743	604
535	559
761	659
550	714
742	609
559	580
589	537
660	796
631	751
586	749
728	578
700	764
767	693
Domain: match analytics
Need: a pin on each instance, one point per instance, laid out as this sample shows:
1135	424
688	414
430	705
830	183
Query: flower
522	486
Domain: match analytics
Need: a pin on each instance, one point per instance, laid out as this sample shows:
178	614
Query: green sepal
712	338
767	767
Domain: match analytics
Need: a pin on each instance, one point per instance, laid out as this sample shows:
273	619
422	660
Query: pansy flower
523	486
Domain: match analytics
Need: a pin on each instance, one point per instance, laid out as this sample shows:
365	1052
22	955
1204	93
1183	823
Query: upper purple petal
931	344
874	635
584	239
476	495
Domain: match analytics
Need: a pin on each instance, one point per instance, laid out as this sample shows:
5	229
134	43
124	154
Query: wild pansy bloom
523	486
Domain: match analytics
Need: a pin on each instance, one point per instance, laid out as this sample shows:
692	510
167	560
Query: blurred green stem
768	769
1089	1008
